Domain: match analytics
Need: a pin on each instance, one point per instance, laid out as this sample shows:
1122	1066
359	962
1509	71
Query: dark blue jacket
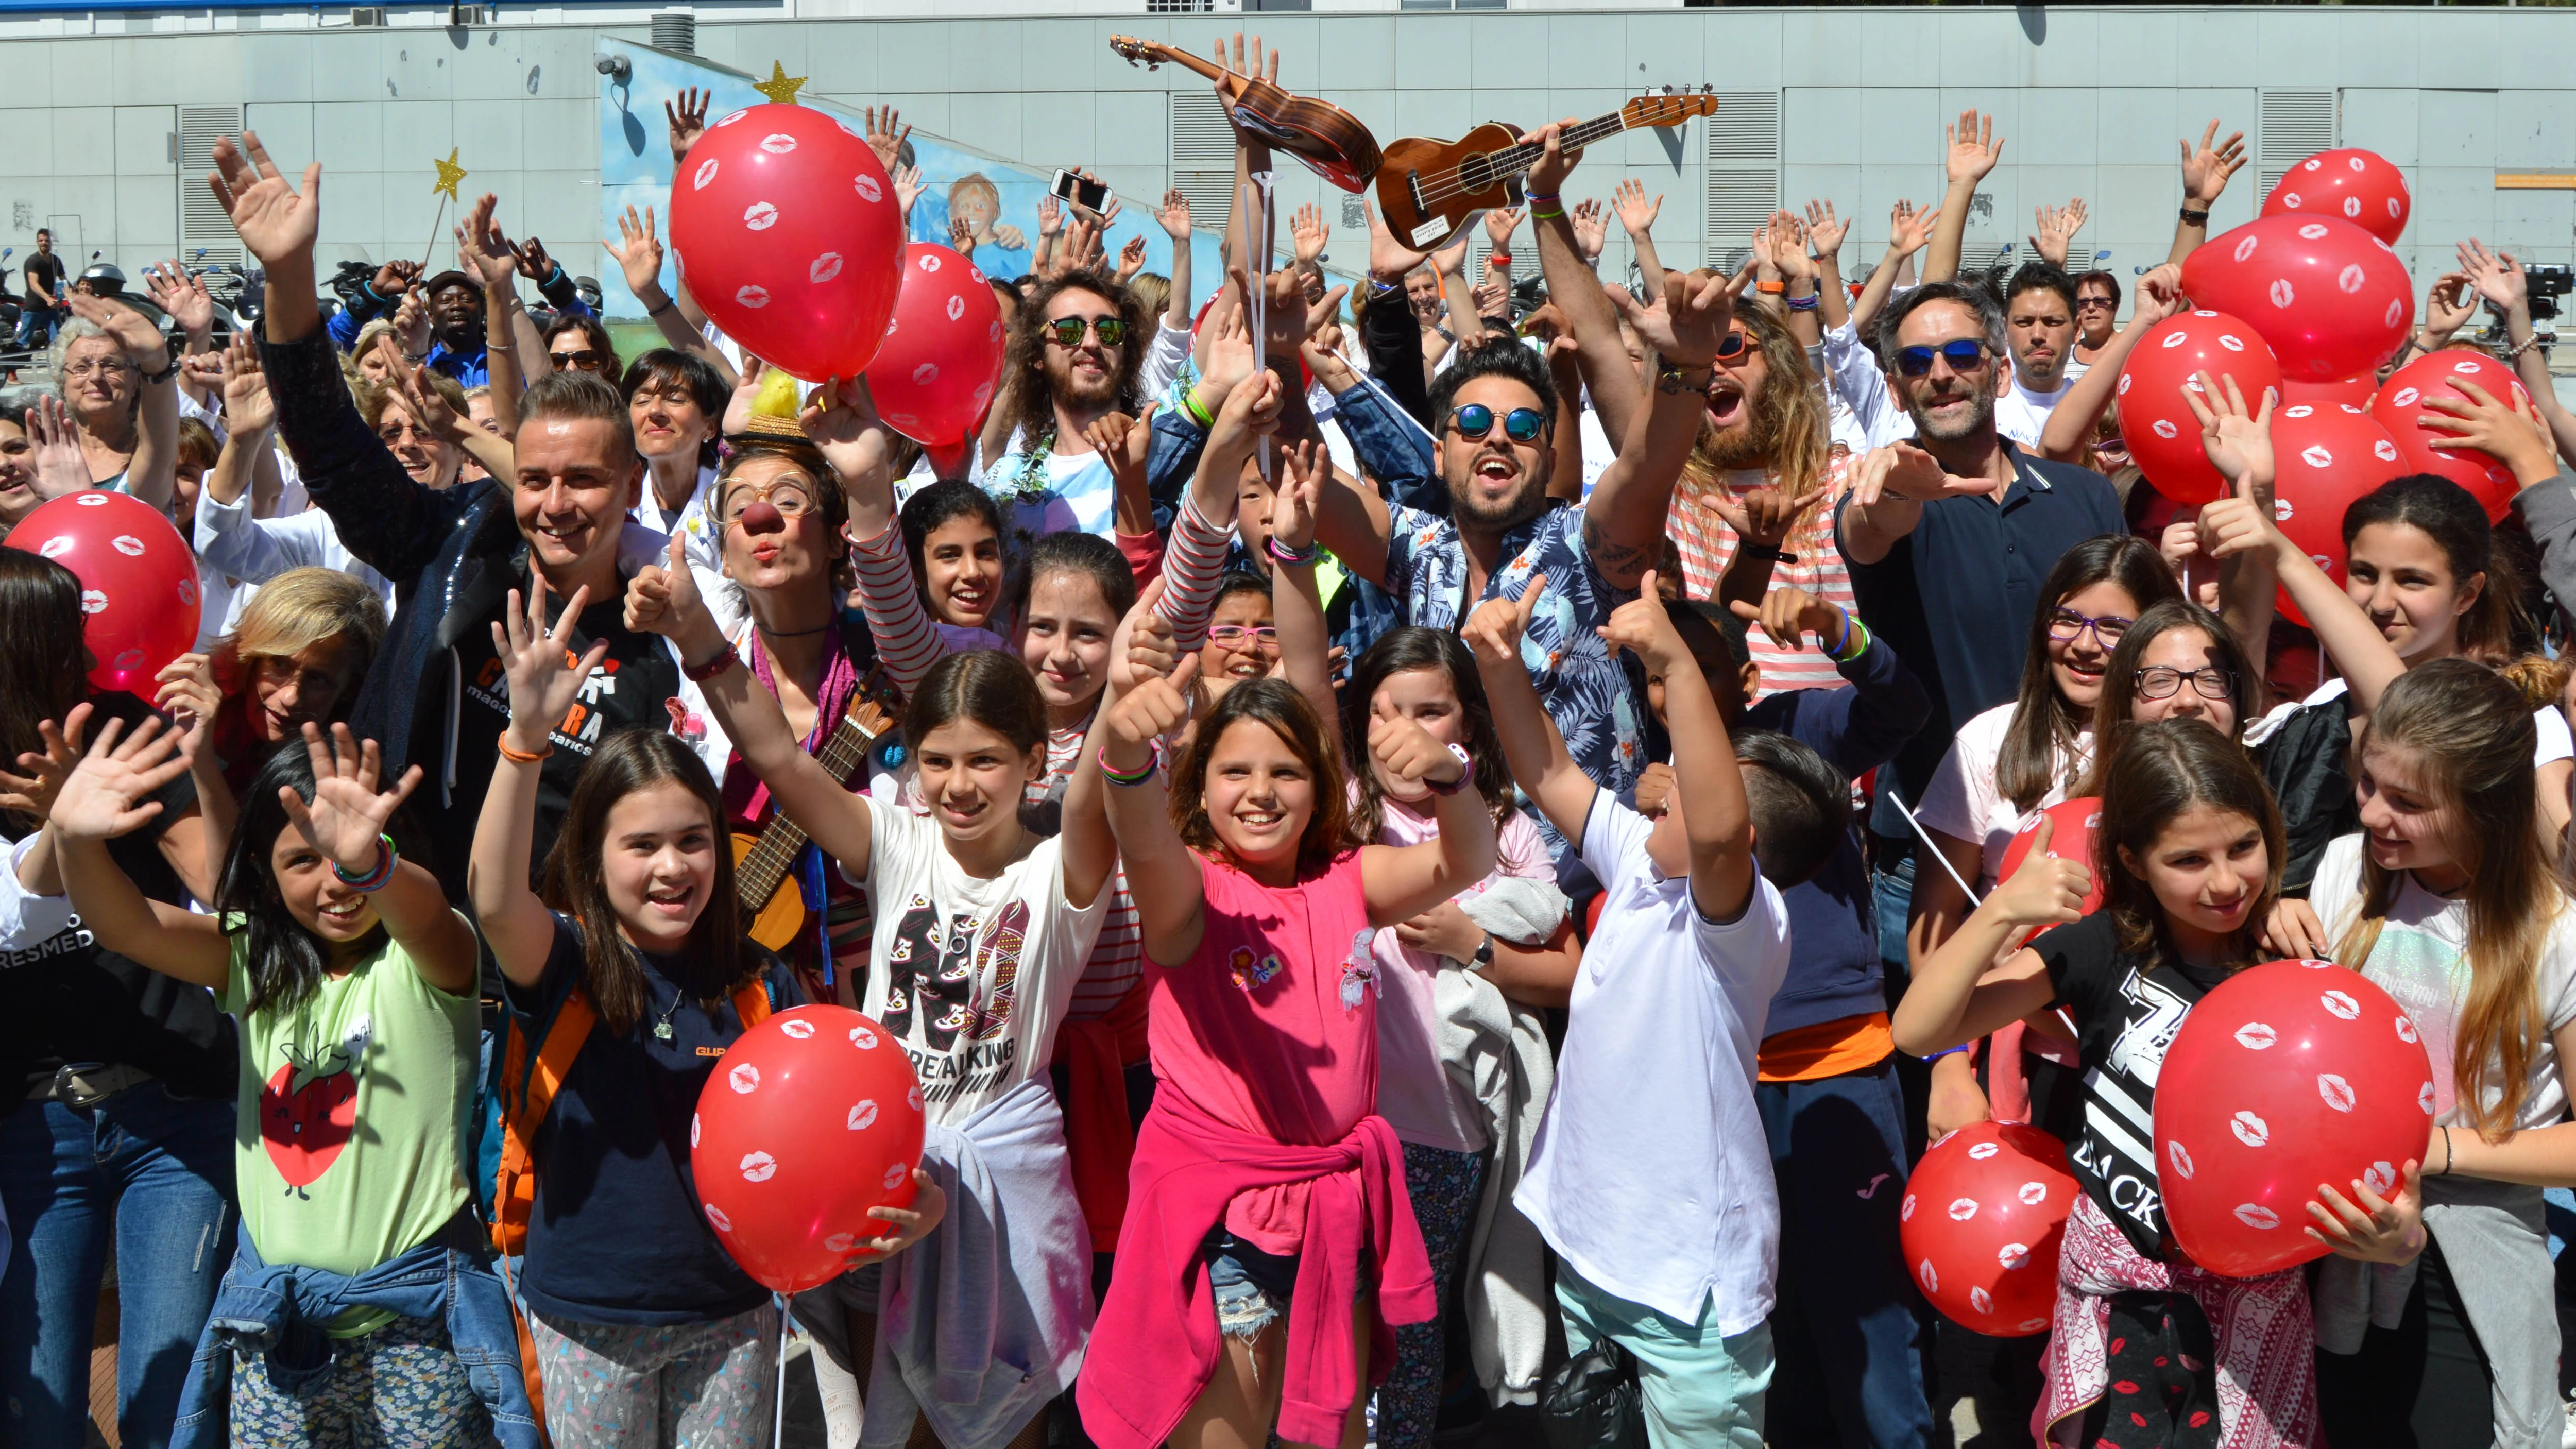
1833	932
282	1312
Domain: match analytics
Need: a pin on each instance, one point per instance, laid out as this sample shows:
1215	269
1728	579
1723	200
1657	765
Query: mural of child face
975	206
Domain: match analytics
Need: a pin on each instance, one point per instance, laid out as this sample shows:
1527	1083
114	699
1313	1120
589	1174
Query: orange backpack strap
751	1003
527	1095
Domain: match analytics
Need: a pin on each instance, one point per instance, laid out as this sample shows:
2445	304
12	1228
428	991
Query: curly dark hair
1025	399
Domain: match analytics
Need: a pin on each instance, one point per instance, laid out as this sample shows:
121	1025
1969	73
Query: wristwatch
1483	960
155	379
2194	218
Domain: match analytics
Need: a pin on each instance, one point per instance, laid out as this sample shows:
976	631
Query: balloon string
1926	837
778	1412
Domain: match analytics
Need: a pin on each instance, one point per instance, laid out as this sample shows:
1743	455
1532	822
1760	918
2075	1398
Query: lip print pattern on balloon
2336	1092
758	1167
825	268
2251	1130
864	1115
744	1078
778	143
797	1028
1962	1209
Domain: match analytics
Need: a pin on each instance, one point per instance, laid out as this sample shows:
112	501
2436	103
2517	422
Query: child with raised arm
1665	1220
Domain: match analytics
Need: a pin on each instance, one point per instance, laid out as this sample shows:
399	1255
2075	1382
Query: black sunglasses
1474	420
1068	330
1962	353
585	359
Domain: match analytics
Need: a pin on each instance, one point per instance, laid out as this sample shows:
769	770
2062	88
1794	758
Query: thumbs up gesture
1643	628
1493	632
2045	891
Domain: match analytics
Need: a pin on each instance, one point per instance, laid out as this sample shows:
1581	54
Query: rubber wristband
1129	781
1290	556
1499	259
373	880
1951	1051
1856	641
1197	410
1549	212
523	757
1466	776
1807	303
1541	198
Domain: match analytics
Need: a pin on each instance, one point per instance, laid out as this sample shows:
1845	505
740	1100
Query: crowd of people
1442	850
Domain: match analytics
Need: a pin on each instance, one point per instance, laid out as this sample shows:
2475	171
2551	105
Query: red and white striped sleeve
907	640
1193	565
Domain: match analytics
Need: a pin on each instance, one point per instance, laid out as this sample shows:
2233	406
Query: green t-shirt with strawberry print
350	1131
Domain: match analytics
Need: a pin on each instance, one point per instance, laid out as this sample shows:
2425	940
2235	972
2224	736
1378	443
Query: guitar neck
781	839
1514	160
1156	50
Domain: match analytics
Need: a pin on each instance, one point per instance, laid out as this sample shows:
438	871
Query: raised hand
1685	324
1301	483
1175	216
1131	259
32	794
2238	439
275	221
1307	229
661	599
396	277
2497	276
841	420
1903	470
1050	215
1230	354
182	296
1591	228
1825	229
2512	433
2057	228
638	253
1643	628
1547	175
1409	755
1255	65
1909	228
53	450
411	324
545	680
130	330
109	793
1123	442
882	137
1788	241
1489	298
202	373
1155	707
480	241
2157	296
346	821
1451	260
1494	631
189	695
2205	170
1389	260
429	410
2448	305
1500	223
688	121
961	237
1788	615
1144	646
1974	147
907	188
1251	411
2044	890
1636	213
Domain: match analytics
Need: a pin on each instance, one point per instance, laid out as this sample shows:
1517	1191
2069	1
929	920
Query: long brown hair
713	965
2120	678
1025	400
1790	417
42	660
1399	651
1276	705
2163	769
2471	734
2039	746
2448	514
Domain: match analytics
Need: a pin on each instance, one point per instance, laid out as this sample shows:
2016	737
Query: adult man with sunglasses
1948	538
1076	346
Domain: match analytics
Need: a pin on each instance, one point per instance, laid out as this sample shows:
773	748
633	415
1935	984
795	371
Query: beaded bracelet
375	879
1293	557
1153	766
725	659
1807	303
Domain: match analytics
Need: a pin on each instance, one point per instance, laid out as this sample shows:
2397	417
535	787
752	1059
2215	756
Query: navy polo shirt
1955	597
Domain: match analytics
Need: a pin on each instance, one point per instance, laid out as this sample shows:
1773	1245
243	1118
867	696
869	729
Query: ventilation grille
1203	157
1978	260
1743	170
202	221
2296	125
1178	7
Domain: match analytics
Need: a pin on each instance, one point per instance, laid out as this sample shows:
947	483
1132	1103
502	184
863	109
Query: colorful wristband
725	659
1290	556
1197	410
375	879
1807	303
1855	642
1153	767
524	757
1466	775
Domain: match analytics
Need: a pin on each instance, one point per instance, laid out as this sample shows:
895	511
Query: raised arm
1786	239
345	826
1296	608
2071	423
2500	279
2204	177
1576	288
1974	148
151	474
107	795
1706	778
2057	226
1532	744
1908	232
1175	216
1623	525
639	255
1172	915
1403	881
480	242
1954	998
1827	232
544	683
1637	218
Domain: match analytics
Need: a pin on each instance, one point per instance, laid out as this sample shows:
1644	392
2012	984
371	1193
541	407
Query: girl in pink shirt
1264	1180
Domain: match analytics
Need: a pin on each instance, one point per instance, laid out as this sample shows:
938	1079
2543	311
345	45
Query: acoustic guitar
761	862
1427	190
1330	140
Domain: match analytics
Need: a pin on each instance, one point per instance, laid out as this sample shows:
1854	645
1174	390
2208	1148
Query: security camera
616	67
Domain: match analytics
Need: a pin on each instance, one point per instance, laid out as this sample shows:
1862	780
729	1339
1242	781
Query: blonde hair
2470	730
373	400
1153	292
1790	415
299	609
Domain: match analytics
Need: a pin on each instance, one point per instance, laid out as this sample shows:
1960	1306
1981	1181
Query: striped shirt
1118	957
1809	560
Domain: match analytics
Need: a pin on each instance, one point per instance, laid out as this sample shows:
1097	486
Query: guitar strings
1442	186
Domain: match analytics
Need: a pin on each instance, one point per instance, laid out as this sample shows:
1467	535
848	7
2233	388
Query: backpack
522	1093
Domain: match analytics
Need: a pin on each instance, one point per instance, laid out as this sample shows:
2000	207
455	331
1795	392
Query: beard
1980	418
1524	504
1747	443
1079	393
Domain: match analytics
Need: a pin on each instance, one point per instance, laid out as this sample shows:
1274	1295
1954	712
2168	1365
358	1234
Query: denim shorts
1252	1287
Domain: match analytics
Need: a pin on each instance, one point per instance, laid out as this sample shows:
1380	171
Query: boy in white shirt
1650	1175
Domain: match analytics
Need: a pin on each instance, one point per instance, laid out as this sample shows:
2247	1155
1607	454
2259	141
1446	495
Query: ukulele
761	862
1428	190
1330	140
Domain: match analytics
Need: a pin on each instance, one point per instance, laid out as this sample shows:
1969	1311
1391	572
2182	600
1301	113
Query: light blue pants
1702	1391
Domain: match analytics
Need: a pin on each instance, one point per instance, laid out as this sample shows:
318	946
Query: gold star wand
449	173
781	88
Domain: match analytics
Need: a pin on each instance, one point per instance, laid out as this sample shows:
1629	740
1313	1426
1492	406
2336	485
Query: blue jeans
156	1169
36	328
1849	1346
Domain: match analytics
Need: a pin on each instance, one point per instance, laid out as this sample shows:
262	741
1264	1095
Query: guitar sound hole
1476	173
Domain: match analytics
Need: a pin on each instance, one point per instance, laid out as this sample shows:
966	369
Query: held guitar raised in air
1428	189
1330	140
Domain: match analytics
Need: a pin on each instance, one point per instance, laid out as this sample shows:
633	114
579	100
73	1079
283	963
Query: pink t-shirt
1415	1093
1272	1027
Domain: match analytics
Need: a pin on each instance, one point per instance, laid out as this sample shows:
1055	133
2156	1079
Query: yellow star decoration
781	88
449	173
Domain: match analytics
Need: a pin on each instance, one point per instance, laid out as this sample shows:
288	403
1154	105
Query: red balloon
2401	402
788	234
2286	1075
814	1118
138	582
2362	187
2324	457
2075	821
2161	430
1984	1211
943	350
2353	390
2332	299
